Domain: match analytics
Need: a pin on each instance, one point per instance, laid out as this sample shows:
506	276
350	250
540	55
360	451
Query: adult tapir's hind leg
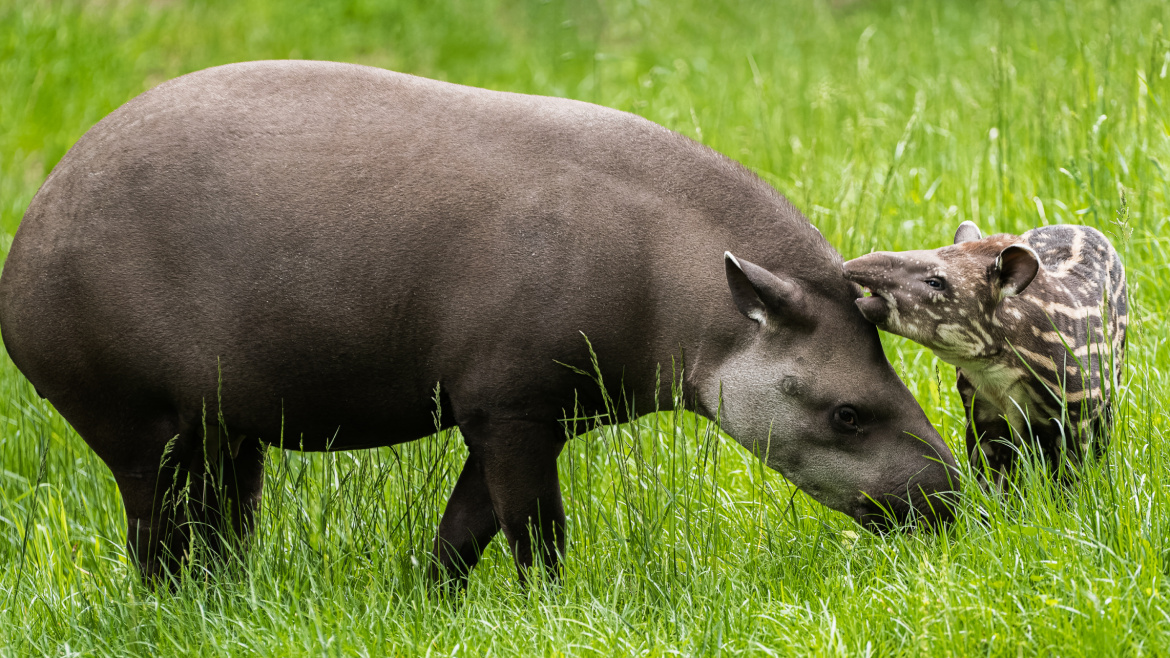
518	461
173	489
150	460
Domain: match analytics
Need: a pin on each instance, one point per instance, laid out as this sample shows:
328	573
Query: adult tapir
299	252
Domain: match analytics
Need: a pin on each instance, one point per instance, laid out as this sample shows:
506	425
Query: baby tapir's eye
937	282
845	419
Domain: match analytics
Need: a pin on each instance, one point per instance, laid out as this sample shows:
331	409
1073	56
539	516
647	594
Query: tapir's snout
872	272
920	485
872	269
882	515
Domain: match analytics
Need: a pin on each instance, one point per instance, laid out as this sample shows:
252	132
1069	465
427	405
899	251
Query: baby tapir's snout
897	283
874	273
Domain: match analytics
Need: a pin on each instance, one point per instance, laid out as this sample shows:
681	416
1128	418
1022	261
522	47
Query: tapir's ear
1015	267
967	232
763	296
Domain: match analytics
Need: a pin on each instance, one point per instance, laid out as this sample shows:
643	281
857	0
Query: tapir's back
1085	258
1084	262
278	230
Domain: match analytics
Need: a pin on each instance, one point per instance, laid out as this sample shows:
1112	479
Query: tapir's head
808	389
945	298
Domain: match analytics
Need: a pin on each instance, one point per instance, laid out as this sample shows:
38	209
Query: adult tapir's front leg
518	459
469	524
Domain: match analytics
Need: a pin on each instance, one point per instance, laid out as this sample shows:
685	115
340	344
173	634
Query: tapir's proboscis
303	251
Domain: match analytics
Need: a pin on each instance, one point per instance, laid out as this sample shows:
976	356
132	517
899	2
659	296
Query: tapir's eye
845	419
937	282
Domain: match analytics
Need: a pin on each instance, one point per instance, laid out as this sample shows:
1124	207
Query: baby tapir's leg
989	445
1101	427
1065	453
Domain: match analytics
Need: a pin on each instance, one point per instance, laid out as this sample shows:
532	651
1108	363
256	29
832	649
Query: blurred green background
887	123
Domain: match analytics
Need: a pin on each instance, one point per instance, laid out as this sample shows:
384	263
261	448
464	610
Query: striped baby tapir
1035	324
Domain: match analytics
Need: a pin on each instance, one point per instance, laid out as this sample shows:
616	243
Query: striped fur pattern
1034	323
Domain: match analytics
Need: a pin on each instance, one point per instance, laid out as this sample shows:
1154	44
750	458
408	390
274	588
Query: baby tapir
1035	324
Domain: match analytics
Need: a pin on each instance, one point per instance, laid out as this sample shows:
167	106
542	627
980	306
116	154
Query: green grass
887	123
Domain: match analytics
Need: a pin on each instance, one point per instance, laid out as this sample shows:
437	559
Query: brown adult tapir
299	252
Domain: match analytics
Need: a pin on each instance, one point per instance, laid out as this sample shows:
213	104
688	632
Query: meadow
886	123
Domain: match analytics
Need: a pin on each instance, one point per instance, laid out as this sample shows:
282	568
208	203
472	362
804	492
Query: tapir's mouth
874	519
896	514
865	280
874	308
882	522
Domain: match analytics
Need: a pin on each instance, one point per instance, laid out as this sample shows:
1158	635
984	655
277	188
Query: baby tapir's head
945	298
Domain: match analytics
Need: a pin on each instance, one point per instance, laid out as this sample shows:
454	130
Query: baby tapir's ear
763	296
1015	267
967	232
